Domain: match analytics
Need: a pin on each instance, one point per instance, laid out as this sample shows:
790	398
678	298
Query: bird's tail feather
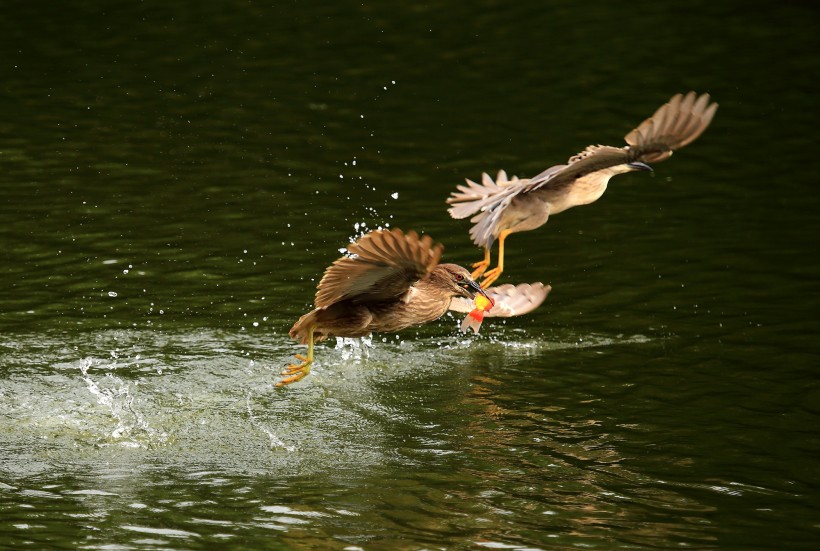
301	329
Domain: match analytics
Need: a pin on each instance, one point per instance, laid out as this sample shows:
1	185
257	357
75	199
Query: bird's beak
476	288
637	165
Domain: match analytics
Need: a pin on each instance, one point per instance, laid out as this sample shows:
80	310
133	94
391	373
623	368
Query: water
176	177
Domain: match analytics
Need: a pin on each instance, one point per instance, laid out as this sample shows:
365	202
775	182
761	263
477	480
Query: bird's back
391	281
564	193
422	303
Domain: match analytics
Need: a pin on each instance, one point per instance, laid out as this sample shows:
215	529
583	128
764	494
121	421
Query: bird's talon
489	278
289	380
480	268
292	377
296	372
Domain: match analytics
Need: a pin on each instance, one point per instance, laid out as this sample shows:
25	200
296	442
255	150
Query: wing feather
484	202
383	264
510	300
468	199
674	125
591	159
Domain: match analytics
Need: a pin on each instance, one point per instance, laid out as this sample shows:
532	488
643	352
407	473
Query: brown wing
675	124
510	300
383	265
591	159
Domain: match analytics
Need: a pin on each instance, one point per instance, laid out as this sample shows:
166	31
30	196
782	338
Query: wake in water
207	397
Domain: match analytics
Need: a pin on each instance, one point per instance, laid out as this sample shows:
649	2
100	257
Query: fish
476	315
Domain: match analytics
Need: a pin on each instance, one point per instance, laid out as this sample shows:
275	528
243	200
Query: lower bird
509	205
392	280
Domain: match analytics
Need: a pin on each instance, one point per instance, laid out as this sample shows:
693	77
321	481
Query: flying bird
391	280
509	205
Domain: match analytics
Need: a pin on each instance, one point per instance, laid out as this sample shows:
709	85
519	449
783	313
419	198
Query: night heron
391	280
509	205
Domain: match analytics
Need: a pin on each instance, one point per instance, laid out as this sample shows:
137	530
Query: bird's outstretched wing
486	201
510	300
591	159
382	264
674	125
470	198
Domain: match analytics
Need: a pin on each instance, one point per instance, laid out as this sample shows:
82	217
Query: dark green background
175	176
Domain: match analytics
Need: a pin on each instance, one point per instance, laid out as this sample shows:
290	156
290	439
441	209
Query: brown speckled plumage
422	302
390	280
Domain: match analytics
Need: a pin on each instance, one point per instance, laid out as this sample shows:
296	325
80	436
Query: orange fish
476	316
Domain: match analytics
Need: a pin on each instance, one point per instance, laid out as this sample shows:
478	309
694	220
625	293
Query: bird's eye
459	277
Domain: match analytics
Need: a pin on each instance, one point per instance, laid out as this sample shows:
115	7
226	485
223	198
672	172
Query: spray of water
118	397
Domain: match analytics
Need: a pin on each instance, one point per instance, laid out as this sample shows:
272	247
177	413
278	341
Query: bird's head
457	280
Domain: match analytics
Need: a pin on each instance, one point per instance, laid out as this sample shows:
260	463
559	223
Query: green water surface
175	177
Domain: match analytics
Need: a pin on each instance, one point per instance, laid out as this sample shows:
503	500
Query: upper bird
513	205
392	280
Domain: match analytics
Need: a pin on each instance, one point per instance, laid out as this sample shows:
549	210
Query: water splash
275	441
118	397
354	349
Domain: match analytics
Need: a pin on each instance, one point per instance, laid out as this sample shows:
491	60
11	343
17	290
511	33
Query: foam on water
119	396
207	398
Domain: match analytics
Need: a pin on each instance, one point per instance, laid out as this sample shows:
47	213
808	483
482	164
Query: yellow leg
480	267
492	275
297	372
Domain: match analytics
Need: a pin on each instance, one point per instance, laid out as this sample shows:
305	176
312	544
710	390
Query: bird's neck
589	188
427	299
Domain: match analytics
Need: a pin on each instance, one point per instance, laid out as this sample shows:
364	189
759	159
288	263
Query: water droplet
112	293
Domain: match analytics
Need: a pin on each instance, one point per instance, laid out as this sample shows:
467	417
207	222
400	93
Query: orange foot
296	372
481	266
491	276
